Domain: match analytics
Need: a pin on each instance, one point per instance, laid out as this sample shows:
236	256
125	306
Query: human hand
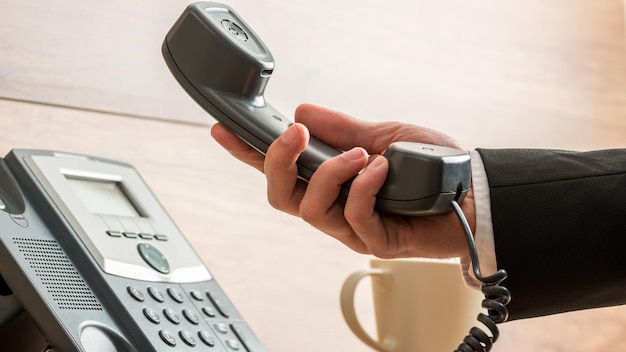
356	222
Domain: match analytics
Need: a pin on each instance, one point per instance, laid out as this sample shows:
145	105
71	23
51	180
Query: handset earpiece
224	66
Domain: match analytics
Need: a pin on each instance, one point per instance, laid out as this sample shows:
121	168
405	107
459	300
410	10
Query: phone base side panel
51	289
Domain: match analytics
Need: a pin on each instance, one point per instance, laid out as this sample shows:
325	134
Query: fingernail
290	135
377	162
353	154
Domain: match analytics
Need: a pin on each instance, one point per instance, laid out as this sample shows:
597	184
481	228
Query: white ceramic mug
420	305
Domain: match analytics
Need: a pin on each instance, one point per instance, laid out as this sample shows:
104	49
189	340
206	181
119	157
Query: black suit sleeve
559	220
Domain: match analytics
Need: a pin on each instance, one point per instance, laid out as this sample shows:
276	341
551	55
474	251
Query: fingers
319	206
284	191
238	148
360	213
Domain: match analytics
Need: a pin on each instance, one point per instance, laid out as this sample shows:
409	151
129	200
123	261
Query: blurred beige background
87	76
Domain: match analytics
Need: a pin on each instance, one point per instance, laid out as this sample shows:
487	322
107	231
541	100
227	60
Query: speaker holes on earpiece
234	29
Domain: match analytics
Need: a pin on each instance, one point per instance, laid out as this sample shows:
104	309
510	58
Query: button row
203	335
171	316
179	298
142	235
188	338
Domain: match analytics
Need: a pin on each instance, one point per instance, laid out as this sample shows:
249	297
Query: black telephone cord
496	297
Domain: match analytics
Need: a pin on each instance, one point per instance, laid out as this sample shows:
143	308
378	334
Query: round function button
156	294
135	293
171	316
175	294
191	316
187	338
167	337
154	258
151	315
206	337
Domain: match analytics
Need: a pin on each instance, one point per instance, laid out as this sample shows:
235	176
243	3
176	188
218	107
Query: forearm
558	227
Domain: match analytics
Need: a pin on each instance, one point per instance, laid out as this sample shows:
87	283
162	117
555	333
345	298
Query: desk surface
489	73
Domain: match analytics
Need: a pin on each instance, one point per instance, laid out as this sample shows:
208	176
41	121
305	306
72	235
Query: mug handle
349	313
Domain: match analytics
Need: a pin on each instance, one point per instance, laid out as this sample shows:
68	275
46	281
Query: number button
206	337
135	293
187	338
156	294
167	337
171	316
151	315
191	316
175	294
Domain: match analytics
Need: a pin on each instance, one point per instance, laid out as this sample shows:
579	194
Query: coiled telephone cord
496	297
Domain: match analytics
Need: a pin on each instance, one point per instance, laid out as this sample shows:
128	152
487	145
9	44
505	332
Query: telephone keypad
189	318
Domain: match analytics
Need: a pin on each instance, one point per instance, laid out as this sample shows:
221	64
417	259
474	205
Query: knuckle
276	202
352	216
381	252
308	213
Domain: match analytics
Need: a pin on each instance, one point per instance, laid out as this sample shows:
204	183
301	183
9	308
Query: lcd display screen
103	197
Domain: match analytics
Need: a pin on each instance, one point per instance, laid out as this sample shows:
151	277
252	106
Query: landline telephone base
93	257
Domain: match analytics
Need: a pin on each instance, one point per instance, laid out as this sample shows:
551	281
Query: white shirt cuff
484	227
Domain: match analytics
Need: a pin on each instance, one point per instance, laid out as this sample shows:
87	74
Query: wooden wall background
88	77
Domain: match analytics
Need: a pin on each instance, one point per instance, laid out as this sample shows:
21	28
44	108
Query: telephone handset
91	255
224	66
